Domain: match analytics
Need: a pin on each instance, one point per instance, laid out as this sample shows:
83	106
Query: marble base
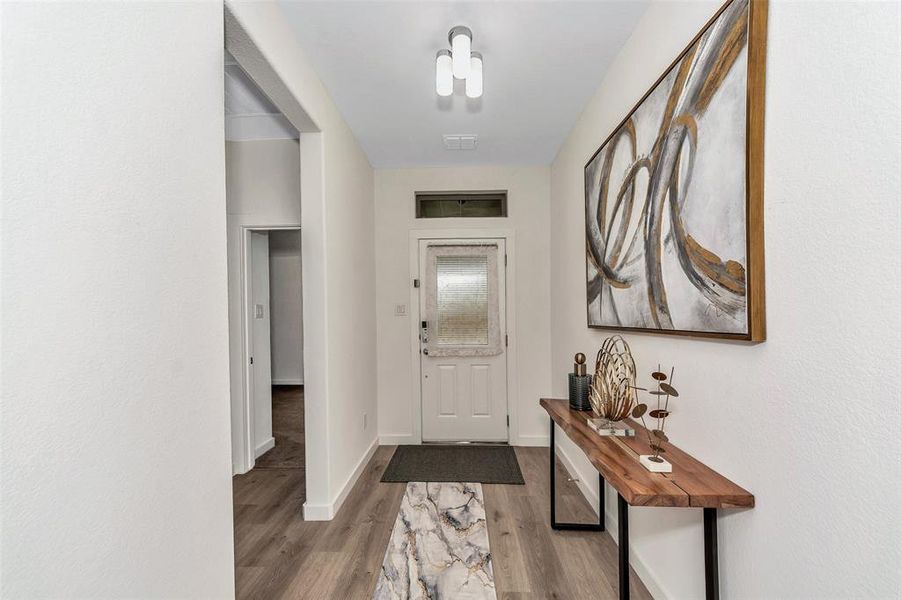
655	467
611	428
439	546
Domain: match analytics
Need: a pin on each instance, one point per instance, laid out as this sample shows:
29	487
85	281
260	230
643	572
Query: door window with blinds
462	300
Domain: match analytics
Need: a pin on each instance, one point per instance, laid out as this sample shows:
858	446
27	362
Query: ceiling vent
467	141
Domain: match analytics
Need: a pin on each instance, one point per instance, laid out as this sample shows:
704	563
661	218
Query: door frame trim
416	235
249	450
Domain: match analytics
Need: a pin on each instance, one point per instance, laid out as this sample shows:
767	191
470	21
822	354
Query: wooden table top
691	484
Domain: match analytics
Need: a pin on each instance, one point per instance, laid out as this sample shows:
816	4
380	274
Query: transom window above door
438	205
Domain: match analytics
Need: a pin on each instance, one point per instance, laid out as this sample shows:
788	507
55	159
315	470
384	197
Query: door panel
258	317
463	358
447	390
481	390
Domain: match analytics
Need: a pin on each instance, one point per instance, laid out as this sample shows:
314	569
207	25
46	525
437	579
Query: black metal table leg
553	463
602	506
623	522
599	526
711	560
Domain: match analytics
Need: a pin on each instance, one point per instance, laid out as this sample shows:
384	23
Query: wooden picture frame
717	280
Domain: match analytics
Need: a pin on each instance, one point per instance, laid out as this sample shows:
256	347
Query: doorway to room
273	292
274	274
263	206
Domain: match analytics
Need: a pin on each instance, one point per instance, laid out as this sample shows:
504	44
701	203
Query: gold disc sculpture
612	392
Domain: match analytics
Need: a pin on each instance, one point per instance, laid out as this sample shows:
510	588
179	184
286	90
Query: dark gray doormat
462	463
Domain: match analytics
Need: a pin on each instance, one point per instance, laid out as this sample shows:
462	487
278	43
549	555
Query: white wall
263	180
338	267
286	307
115	426
528	210
806	420
262	190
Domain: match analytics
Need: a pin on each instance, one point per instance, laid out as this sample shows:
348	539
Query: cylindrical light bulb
444	76
461	47
474	81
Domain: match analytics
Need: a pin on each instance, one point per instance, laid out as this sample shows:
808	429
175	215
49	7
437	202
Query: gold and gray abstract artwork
665	196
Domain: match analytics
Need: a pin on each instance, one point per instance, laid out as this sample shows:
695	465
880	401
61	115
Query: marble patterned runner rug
439	546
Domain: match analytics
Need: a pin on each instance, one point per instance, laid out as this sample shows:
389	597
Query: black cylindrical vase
579	386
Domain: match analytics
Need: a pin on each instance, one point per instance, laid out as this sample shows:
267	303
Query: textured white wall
807	420
115	429
528	208
263	179
286	307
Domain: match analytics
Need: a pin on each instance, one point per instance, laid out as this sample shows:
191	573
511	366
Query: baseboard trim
264	447
287	381
398	440
317	512
532	440
327	512
610	519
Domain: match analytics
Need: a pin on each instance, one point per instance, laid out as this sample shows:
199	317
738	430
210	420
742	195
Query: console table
691	485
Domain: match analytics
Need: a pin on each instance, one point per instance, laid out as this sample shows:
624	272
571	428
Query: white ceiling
542	63
249	114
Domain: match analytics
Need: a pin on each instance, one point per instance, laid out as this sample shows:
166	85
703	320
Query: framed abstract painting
674	196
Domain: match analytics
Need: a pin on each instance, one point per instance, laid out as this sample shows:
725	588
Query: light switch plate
257	311
400	310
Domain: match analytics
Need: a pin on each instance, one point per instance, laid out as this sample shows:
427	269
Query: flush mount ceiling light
459	62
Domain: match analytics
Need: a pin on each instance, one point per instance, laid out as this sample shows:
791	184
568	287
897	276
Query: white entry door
463	327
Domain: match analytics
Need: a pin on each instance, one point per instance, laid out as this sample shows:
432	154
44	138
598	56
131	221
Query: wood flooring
287	429
278	555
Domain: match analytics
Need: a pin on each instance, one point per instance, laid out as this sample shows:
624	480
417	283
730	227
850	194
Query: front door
463	353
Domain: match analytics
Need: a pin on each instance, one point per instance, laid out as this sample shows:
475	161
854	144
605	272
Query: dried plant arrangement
657	435
612	393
